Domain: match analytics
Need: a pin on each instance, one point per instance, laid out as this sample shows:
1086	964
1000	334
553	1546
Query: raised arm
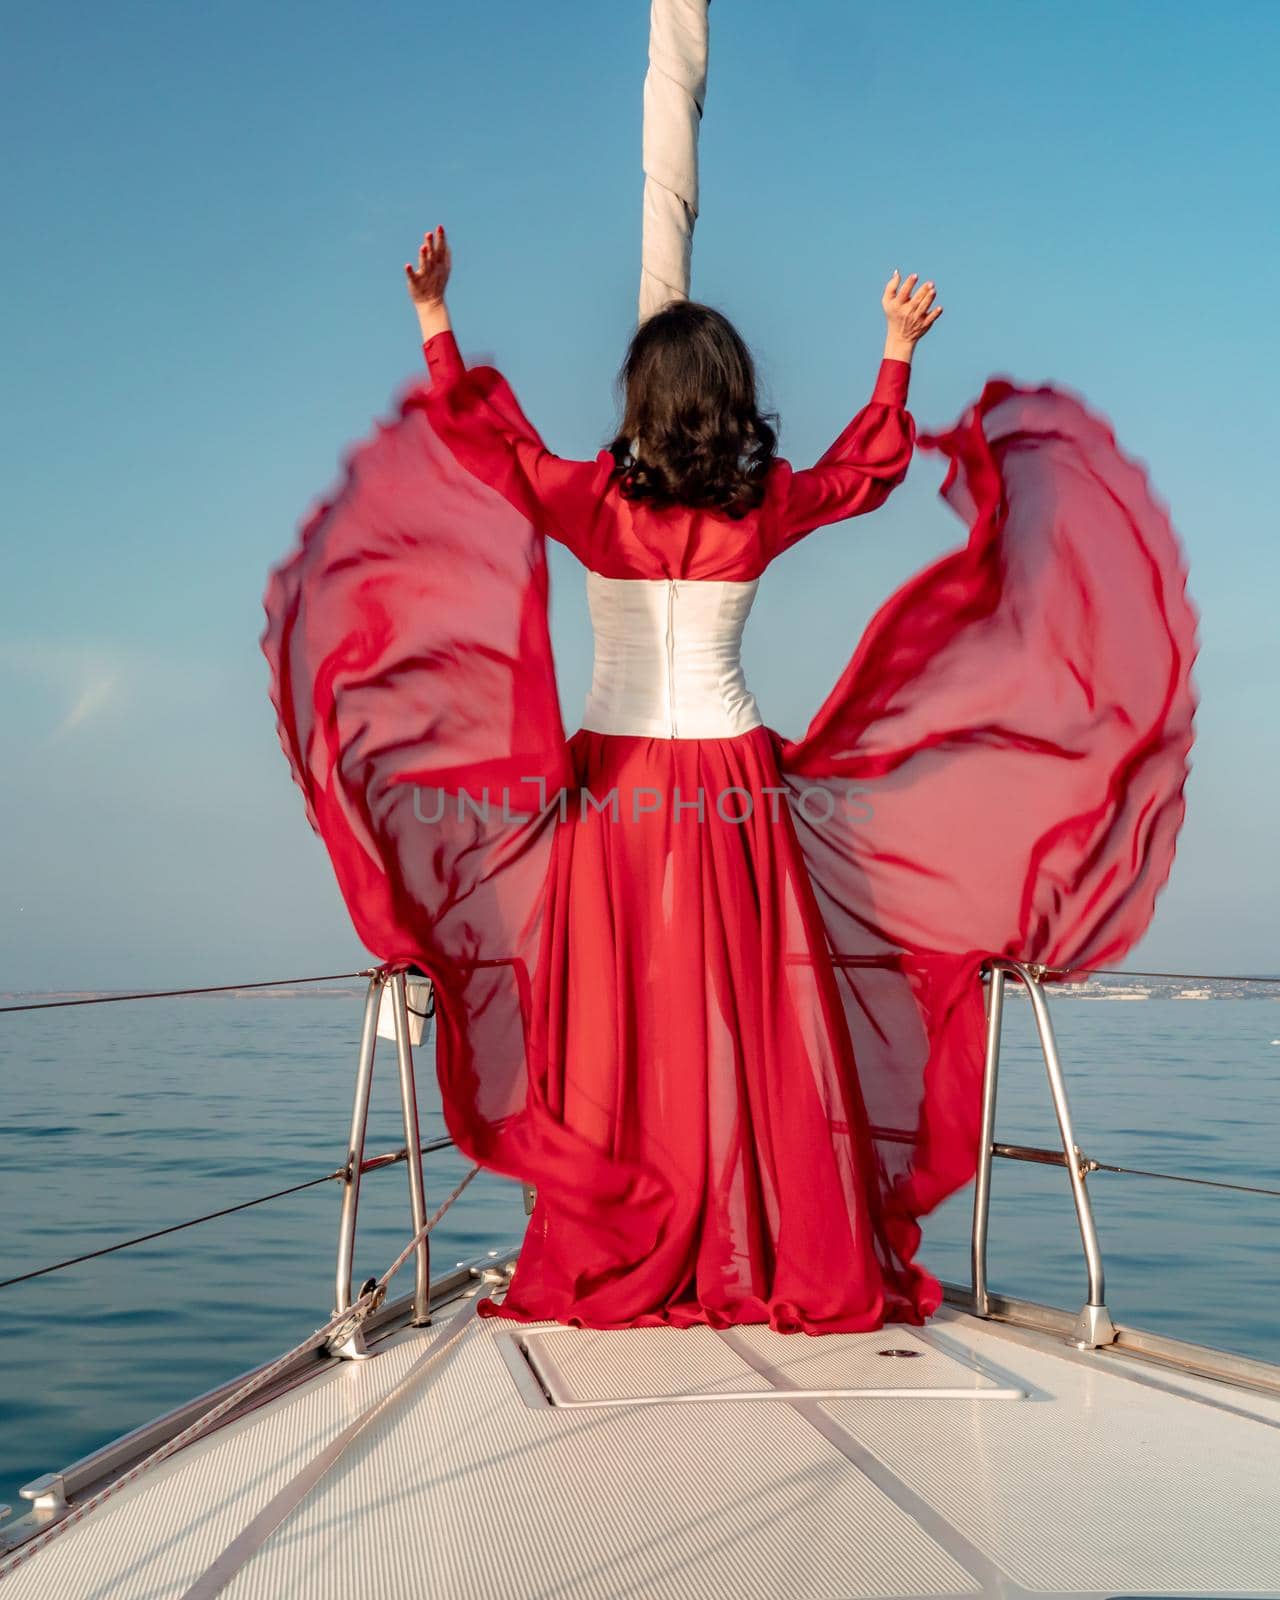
870	458
479	418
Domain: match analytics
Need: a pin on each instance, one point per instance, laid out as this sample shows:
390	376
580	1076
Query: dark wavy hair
690	408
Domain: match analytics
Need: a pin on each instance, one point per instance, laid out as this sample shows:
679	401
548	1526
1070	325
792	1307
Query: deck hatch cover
579	1367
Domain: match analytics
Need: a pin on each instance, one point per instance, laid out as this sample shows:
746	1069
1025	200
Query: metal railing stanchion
354	1348
982	1181
1093	1327
413	1151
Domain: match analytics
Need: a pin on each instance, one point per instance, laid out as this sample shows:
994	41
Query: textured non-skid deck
469	1485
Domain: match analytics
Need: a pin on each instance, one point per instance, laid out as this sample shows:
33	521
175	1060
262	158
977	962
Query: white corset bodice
668	657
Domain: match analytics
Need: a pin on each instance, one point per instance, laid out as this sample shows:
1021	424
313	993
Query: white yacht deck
701	1464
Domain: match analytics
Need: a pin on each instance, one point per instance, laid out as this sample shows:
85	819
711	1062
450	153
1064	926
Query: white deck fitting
579	1368
467	1488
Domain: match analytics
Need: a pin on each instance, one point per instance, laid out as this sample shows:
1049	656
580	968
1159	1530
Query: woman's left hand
427	281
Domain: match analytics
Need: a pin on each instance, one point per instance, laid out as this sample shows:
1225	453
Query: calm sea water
123	1118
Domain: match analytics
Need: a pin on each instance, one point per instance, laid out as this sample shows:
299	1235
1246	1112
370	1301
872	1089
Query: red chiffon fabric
720	999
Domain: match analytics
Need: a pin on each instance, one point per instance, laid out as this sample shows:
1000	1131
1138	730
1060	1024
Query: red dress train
735	1042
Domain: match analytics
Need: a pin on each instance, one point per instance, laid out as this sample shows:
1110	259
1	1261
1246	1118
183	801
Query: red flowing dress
736	1042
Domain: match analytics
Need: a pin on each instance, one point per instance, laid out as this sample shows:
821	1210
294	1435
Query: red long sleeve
864	465
892	382
474	411
444	359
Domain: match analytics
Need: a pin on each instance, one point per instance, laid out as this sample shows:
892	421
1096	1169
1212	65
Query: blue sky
208	209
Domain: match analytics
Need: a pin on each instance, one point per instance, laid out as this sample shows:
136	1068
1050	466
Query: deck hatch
578	1367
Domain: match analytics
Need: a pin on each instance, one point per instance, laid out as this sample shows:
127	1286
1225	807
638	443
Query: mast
674	89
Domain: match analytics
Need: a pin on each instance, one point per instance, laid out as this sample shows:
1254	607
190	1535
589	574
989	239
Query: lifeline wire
169	994
374	1164
369	972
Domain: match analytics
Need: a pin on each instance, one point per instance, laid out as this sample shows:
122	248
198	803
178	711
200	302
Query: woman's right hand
907	310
